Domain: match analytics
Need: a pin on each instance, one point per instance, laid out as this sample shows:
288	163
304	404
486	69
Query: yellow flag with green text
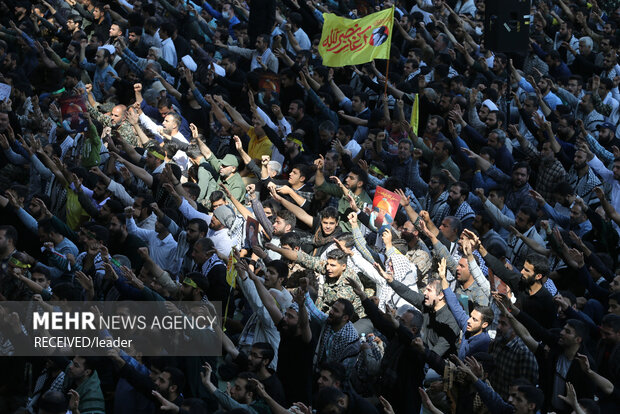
415	114
352	42
231	272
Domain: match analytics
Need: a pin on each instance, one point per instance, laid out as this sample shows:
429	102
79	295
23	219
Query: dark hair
177	377
337	255
147	201
192	188
68	291
533	395
296	19
300	104
249	386
291	238
488	151
266	349
361	174
336	369
205	244
135	29
42	271
168	28
531	214
304	170
202	225
288	217
463	187
120	25
499	191
329	212
347	130
216	196
53	402
196	406
280	267
47	226
443	178
10	233
540	263
581	329
487	313
327	396
363	97
348	310
612	321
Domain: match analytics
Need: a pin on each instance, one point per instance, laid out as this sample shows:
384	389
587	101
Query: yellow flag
231	272
415	114
352	42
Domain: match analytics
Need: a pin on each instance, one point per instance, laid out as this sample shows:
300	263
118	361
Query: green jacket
234	183
91	149
91	397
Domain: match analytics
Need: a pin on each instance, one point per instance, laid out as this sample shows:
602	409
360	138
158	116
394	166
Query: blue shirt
469	345
103	76
219	16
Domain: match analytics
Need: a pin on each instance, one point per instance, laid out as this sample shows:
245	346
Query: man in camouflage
336	273
117	119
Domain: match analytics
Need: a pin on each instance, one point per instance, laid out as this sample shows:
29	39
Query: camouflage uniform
125	130
330	292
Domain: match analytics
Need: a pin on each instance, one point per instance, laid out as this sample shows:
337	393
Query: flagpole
387	73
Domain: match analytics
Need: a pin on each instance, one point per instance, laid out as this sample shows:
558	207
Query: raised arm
299	212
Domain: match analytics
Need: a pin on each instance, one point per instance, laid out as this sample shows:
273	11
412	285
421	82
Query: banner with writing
352	42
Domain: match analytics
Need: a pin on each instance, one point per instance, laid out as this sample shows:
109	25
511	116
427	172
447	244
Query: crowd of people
146	145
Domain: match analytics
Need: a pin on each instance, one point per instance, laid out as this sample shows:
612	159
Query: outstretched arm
299	212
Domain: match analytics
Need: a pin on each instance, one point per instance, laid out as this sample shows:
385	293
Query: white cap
490	104
220	71
189	63
109	48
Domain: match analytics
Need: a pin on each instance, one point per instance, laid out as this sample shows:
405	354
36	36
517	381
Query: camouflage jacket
330	291
125	130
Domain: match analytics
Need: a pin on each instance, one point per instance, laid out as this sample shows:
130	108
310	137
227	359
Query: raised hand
319	163
194	129
389	277
404	200
357	287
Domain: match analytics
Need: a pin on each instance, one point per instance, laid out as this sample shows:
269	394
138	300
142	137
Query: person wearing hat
226	170
606	137
194	287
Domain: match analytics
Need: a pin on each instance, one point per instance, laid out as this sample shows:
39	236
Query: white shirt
162	252
614	116
169	52
353	147
607	176
465	7
222	241
302	39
